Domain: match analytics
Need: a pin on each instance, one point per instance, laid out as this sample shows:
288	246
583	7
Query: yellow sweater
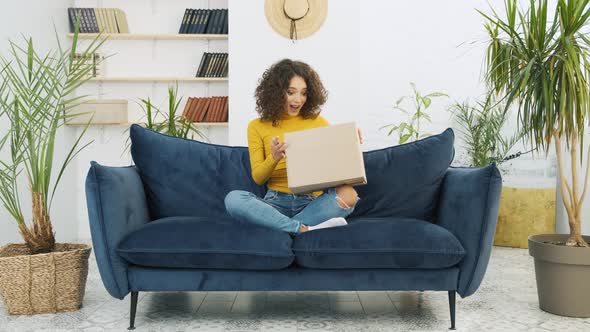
260	134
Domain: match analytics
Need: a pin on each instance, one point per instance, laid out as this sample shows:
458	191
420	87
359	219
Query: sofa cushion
193	242
378	243
405	180
182	177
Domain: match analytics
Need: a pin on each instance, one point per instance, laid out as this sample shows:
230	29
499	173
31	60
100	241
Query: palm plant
410	131
172	123
481	126
543	67
35	94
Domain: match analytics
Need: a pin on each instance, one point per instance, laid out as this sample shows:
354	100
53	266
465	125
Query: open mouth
293	108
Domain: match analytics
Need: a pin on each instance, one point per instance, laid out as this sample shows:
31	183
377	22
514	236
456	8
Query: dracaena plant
540	62
410	131
35	93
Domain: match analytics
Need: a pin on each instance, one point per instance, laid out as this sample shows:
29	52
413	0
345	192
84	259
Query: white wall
420	42
366	53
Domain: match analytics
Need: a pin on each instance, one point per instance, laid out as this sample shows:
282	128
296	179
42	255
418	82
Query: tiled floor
506	301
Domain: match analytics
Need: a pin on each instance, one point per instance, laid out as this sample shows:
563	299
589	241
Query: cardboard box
105	112
324	157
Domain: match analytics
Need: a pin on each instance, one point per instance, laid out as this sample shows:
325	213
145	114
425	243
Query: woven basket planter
43	283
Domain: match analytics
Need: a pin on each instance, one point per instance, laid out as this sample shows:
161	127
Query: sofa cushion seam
155	251
379	251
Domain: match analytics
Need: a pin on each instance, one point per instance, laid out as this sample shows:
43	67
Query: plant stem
574	210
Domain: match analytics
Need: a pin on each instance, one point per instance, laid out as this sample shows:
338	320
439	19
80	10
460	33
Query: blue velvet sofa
161	224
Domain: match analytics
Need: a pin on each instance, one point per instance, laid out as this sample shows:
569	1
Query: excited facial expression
296	95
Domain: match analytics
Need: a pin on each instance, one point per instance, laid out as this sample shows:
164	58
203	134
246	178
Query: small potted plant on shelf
523	210
540	62
39	276
170	122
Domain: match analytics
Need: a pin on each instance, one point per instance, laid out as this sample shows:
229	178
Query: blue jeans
284	211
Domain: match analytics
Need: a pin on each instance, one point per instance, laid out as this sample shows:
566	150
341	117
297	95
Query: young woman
288	98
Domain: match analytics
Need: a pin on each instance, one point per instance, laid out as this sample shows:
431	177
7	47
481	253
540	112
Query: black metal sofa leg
133	310
452	307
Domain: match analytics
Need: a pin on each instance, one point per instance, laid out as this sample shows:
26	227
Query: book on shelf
100	20
193	20
95	20
213	65
212	23
121	19
213	110
184	21
202	108
219	107
94	60
222	108
187	107
204	21
225	113
206	109
91	17
191	108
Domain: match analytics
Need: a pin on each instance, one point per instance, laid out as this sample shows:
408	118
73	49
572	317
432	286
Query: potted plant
523	211
39	276
540	62
410	131
171	122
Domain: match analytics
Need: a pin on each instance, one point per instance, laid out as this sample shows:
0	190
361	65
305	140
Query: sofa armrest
116	206
468	208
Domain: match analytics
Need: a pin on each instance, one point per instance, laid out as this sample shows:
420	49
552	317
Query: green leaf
404	138
394	128
427	101
437	94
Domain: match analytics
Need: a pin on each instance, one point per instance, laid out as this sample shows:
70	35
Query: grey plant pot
562	275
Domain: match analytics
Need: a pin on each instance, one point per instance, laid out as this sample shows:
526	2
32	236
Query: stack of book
206	109
213	65
95	20
204	21
94	60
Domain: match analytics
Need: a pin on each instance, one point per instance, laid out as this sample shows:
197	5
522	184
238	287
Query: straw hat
296	19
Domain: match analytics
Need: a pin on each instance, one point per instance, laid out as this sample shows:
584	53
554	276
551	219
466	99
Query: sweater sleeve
262	167
322	121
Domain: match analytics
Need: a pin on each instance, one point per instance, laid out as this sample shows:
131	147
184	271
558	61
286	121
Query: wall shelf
158	79
149	36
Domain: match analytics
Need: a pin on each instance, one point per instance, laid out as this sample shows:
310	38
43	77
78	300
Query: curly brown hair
271	93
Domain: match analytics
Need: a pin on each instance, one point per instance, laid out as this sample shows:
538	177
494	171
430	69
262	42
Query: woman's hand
360	134
277	149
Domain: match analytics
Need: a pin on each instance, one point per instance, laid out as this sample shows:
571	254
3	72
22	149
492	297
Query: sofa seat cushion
378	243
196	242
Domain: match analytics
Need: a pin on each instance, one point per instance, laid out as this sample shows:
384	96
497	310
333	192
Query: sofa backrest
405	180
184	177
